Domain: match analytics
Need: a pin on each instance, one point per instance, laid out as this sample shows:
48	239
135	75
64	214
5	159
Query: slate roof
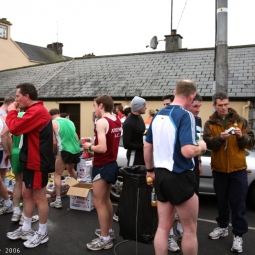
41	54
150	75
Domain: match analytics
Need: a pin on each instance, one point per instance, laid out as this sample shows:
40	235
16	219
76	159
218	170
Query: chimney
5	30
56	47
173	41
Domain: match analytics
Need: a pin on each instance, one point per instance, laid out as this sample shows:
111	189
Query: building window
3	32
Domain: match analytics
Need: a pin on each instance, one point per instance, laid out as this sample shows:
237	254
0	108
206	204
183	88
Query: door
74	114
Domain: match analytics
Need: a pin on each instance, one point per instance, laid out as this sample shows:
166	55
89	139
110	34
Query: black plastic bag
137	218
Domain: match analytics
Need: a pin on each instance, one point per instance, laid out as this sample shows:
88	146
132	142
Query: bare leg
29	204
101	196
3	172
3	189
70	169
165	216
59	169
188	213
17	190
109	207
42	204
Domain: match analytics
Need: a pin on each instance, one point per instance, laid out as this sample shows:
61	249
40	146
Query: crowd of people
171	154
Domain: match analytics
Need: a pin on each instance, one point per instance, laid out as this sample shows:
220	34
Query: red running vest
112	142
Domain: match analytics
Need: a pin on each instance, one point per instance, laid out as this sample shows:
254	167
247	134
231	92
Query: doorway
74	114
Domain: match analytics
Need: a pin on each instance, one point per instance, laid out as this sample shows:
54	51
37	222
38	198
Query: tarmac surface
70	230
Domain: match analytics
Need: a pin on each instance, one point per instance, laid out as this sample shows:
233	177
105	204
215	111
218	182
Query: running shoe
16	217
172	245
35	218
237	244
5	209
20	234
218	232
36	240
98	233
100	244
178	234
56	204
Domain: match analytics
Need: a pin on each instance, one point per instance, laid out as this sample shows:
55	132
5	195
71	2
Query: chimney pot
173	32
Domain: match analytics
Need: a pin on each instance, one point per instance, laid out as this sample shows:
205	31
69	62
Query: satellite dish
154	42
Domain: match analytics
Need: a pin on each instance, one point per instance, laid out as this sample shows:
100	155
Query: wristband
150	170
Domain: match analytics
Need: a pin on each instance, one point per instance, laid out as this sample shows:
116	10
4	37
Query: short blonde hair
186	88
152	112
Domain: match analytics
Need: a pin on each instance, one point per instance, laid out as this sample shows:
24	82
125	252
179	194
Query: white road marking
213	221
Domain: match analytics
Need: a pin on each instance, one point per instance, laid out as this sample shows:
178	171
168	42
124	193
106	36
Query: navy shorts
108	172
35	179
70	158
173	187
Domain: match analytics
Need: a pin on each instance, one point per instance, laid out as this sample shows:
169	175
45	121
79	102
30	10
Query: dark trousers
231	191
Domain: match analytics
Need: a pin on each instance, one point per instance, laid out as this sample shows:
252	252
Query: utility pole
171	17
221	69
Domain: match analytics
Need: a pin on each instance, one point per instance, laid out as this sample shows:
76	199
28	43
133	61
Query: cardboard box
81	197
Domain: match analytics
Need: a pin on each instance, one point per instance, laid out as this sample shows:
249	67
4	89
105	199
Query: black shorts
35	179
173	187
70	158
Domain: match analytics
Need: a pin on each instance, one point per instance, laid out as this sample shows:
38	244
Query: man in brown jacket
228	135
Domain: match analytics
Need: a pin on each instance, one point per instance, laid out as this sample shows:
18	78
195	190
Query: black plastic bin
137	218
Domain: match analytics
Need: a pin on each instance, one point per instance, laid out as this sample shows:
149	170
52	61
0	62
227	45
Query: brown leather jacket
228	155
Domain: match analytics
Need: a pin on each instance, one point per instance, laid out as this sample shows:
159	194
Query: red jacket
36	126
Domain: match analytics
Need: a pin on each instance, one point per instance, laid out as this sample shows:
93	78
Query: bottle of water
153	198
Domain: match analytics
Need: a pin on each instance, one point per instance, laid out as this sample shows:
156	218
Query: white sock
58	198
106	238
179	227
8	203
110	231
26	224
171	232
42	228
16	210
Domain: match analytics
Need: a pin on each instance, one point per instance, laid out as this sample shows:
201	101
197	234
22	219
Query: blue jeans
231	191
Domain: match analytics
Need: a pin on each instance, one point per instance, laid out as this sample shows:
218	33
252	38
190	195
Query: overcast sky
106	27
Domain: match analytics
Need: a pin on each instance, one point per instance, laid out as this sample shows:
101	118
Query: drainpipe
245	106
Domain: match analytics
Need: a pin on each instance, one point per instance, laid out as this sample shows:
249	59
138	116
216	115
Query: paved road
70	230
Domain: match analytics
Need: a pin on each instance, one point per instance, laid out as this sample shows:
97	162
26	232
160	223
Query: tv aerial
154	42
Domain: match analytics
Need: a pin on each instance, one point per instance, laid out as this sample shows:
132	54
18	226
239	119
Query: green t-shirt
16	139
66	136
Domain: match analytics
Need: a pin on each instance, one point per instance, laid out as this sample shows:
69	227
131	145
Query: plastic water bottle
153	198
